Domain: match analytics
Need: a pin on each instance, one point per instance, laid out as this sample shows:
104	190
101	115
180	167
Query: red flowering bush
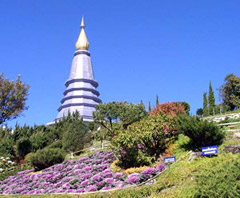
169	108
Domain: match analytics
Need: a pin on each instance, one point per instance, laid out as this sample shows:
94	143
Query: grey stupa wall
80	94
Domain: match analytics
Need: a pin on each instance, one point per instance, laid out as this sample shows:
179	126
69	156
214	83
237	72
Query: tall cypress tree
211	100
157	101
149	107
205	104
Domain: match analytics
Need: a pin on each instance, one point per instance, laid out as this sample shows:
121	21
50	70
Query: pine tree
157	101
149	107
211	100
205	104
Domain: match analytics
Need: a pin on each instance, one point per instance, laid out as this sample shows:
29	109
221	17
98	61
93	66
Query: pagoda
80	94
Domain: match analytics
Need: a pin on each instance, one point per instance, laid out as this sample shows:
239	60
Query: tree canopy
171	108
123	113
199	112
231	91
13	96
211	100
205	104
76	136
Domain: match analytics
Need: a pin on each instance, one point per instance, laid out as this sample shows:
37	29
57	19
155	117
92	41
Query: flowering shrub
144	141
6	164
67	177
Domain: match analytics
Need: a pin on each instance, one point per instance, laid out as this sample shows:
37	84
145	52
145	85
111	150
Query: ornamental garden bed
87	174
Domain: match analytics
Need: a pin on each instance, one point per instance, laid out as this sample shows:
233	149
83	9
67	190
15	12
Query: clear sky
139	49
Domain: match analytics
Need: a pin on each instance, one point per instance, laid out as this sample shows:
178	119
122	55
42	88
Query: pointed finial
82	42
82	23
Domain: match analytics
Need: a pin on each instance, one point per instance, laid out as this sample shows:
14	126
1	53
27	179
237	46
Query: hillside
216	176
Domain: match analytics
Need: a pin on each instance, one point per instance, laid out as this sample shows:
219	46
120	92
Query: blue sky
139	49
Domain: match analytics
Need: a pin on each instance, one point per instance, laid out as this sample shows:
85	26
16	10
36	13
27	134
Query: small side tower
80	94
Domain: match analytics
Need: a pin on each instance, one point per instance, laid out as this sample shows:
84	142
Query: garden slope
209	177
86	174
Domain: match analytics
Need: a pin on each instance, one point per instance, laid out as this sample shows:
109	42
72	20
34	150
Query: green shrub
219	179
62	126
76	136
6	147
47	157
144	141
23	146
57	144
55	134
186	107
92	126
38	141
201	132
27	158
21	132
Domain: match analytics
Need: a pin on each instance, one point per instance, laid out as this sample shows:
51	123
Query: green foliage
23	146
140	192
5	132
38	141
13	98
211	100
199	112
27	159
201	132
47	157
157	101
205	105
76	136
186	107
222	108
102	134
57	144
142	142
92	126
120	113
230	91
55	134
6	147
219	179
149	107
60	127
20	132
130	113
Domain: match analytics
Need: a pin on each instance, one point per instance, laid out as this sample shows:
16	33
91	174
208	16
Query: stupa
80	94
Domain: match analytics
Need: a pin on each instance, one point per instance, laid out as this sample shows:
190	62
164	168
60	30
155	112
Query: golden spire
82	42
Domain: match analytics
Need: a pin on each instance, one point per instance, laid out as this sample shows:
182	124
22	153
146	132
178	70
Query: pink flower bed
86	174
